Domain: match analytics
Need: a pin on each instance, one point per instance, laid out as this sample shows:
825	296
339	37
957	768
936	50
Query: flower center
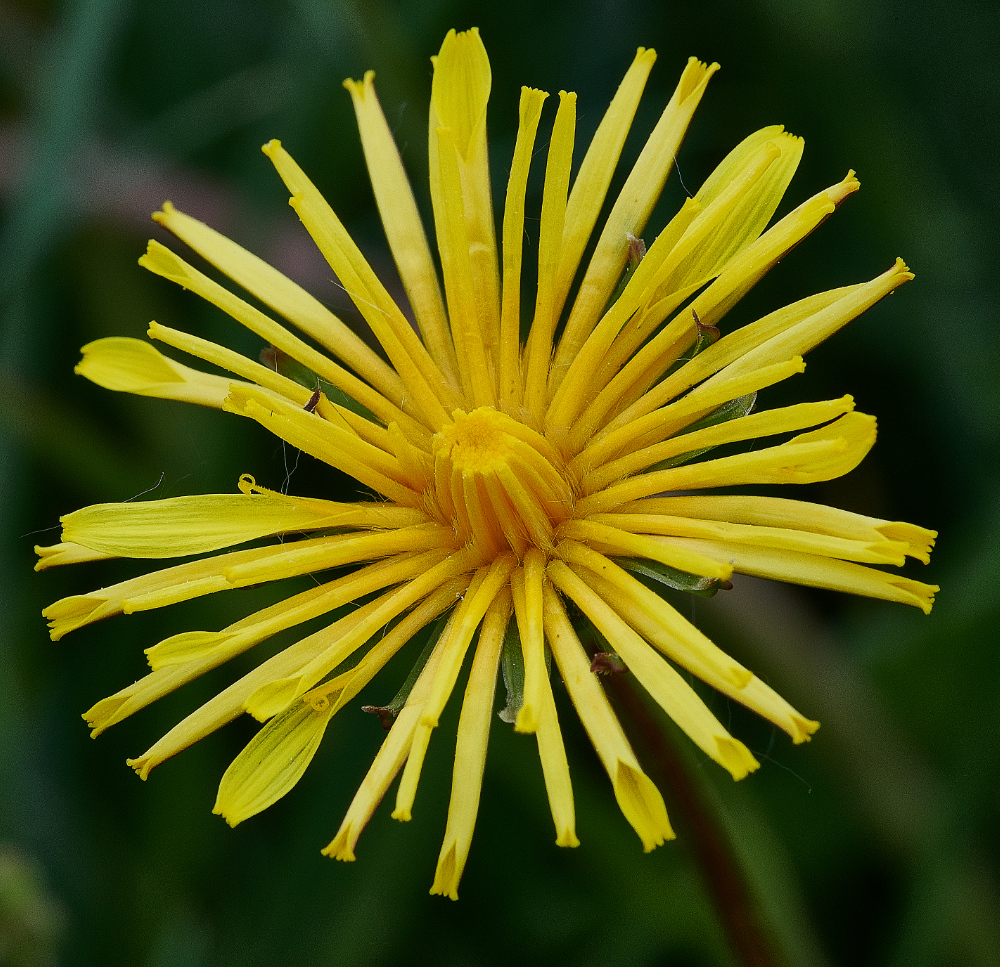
499	482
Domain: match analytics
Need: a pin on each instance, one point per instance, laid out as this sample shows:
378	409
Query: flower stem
695	821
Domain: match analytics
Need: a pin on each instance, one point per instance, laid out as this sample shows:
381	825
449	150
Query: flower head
521	491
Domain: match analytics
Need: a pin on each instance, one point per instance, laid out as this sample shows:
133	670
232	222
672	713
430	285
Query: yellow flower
514	483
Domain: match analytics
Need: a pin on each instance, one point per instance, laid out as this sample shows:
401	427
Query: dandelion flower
523	493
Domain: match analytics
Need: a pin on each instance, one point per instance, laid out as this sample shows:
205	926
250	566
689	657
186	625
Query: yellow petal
665	685
161	261
403	228
793	514
471	612
178	583
483	590
527	583
509	378
460	90
390	757
133	366
470	749
871	552
230	702
426	387
179	526
555	769
327	442
384	768
538	351
56	554
613	541
473	330
591	184
677	638
630	213
734	212
205	650
216	647
581	381
273	761
820	572
750	427
331	646
420	731
638	799
822	454
634	438
735	280
286	298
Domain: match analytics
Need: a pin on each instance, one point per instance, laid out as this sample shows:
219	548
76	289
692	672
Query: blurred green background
876	844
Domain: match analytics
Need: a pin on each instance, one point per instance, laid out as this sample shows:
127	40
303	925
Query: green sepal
654	573
512	663
733	410
705	336
388	713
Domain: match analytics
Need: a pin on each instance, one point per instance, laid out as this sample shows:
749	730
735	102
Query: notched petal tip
842	191
447	875
803	728
339	848
68	614
567	838
918	594
919	541
734	756
695	76
901	268
143	766
642	805
66	552
461	86
360	89
102	715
